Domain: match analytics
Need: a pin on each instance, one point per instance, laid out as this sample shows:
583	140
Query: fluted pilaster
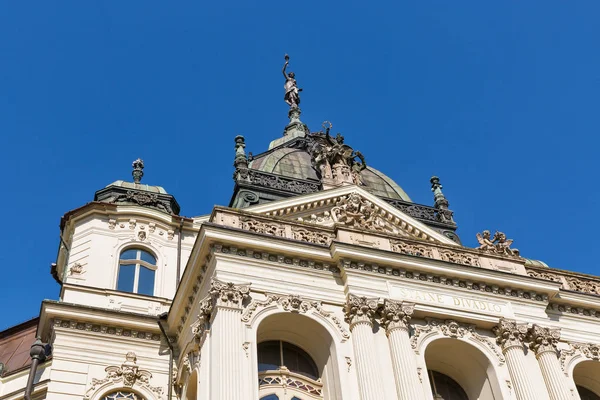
360	312
543	343
510	337
227	372
396	317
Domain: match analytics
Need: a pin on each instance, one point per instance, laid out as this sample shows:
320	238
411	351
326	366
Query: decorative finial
138	170
292	92
440	200
241	161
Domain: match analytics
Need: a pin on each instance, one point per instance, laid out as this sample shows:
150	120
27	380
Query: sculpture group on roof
498	244
335	161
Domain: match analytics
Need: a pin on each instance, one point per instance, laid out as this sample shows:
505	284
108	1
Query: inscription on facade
451	301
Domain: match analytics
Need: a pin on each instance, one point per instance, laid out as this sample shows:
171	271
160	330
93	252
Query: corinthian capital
396	315
509	333
228	294
543	339
361	309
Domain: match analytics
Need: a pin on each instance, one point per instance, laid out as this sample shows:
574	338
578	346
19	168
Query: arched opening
587	379
460	371
295	359
122	395
137	270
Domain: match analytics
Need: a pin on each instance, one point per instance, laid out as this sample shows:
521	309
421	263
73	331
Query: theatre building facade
320	280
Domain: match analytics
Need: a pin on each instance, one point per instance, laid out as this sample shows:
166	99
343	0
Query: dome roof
296	163
138	186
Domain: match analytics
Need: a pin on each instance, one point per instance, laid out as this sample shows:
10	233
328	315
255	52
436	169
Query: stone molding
396	315
589	351
293	303
361	309
569	309
104	329
127	374
543	339
445	281
455	330
509	333
569	280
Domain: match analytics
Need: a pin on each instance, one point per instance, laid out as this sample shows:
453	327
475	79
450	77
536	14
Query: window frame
138	263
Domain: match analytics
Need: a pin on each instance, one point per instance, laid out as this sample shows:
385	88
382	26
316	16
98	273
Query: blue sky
499	99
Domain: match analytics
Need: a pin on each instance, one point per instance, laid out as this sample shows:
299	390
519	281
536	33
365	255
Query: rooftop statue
334	160
498	244
292	92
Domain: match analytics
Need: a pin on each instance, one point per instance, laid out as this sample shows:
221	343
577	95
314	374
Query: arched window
137	268
286	372
586	394
122	395
445	388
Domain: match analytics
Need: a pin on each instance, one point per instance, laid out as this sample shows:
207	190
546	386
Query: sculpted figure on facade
292	92
543	339
354	211
498	244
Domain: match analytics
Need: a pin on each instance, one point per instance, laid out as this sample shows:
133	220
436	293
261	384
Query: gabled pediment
352	207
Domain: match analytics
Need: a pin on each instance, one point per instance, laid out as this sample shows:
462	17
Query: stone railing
569	280
283	377
278	182
423	213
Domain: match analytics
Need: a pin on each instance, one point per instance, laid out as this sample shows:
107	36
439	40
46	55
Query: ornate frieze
550	276
396	315
293	303
411	249
105	329
543	339
312	236
583	285
264	227
459	257
509	333
569	281
361	309
127	374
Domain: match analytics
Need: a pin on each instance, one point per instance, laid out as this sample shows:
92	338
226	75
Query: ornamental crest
127	374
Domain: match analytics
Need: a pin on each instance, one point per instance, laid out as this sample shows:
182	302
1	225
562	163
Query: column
227	375
360	312
543	343
510	337
396	317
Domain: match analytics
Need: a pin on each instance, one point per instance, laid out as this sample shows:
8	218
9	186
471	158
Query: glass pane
297	360
126	276
446	387
146	281
270	397
130	254
145	256
268	356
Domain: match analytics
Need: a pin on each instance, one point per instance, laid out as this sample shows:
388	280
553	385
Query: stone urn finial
138	170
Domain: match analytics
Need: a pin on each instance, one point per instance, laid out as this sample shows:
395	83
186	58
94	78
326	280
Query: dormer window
137	268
